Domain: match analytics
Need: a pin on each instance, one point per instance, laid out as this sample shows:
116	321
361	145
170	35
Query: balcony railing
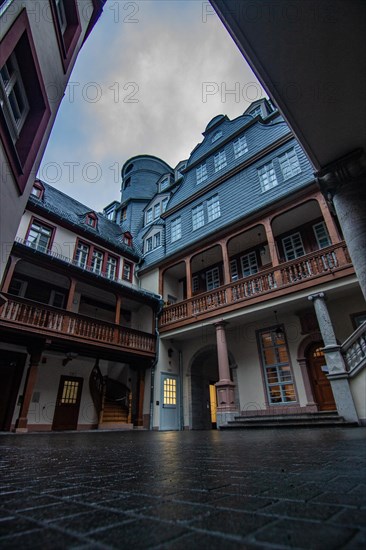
290	274
48	320
354	349
81	266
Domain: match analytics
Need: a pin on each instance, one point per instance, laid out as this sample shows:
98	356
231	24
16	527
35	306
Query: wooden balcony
29	316
318	267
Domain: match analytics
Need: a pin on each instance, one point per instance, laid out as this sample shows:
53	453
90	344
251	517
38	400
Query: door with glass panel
169	410
67	403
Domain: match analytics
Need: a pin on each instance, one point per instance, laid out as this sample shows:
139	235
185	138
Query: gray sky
151	76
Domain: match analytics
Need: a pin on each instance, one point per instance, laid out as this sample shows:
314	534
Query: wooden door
68	403
323	395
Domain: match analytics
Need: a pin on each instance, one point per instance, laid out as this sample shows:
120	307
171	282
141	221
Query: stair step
287	418
316	415
115	426
264	425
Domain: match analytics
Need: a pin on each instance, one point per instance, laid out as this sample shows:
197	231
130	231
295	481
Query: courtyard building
213	293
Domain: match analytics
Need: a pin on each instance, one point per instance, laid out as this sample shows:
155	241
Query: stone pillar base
223	417
21	426
343	397
225	395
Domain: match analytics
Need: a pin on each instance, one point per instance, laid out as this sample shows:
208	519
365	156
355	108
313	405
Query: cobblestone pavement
184	490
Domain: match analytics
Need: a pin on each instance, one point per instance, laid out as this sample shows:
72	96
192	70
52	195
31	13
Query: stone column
226	406
343	183
21	425
337	376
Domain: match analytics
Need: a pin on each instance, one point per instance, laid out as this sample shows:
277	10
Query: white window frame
249	264
256	111
212	279
111	267
321	234
148	245
157	240
293	246
201	173
12	91
157	210
97	260
164	184
240	146
164	204
39	231
198	217
213	208
176	229
289	164
82	255
267	176
149	216
234	274
220	160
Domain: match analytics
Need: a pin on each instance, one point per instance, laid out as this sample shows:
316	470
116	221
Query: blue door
169	409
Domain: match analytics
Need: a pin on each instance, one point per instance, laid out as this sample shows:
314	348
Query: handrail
354	349
315	264
48	318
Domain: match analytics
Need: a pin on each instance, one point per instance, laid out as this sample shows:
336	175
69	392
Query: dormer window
127	239
164	203
91	220
216	136
149	216
37	190
164	184
127	183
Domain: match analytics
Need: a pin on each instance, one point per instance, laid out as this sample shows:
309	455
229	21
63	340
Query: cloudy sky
149	79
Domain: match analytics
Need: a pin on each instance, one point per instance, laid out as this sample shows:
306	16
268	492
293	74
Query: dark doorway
204	375
68	403
11	371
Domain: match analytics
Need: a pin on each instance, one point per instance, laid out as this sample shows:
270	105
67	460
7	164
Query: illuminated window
278	375
170	391
70	392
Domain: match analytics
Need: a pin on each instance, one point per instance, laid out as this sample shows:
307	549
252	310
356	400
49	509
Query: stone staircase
302	420
114	417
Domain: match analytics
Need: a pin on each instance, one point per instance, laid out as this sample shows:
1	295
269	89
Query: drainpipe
155	362
181	416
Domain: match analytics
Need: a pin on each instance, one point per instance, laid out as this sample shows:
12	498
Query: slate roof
69	210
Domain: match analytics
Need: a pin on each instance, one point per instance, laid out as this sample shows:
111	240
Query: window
57	299
201	173
110	215
127	271
321	235
157	240
164	203
289	164
18	287
198	219
14	100
149	244
240	146
82	253
216	136
67	26
195	283
91	220
257	111
164	184
249	264
234	270
97	261
213	208
111	267
267	177
170	392
37	190
212	278
24	107
149	216
39	236
220	160
127	239
293	247
124	214
176	229
156	211
275	360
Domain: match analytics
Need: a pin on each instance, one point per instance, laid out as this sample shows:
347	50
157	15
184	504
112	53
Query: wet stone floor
184	490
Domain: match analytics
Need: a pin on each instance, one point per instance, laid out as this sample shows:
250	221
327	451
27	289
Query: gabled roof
72	212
